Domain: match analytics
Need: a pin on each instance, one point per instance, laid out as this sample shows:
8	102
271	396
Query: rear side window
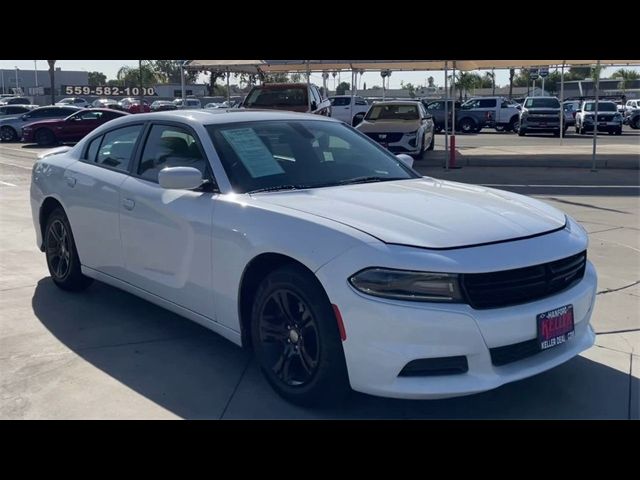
118	146
341	101
487	103
91	152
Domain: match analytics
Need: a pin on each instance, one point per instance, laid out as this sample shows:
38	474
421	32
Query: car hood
425	212
379	126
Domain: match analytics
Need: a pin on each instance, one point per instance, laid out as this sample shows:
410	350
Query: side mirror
406	159
428	116
314	105
180	178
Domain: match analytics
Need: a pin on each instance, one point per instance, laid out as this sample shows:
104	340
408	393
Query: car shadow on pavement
195	373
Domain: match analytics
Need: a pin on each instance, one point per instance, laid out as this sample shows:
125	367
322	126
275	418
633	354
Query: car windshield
392	112
267	97
602	107
547	102
286	155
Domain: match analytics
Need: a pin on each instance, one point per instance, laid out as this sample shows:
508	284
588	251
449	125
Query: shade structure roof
267	66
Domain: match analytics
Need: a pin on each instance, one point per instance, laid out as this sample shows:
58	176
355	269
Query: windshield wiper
365	179
279	187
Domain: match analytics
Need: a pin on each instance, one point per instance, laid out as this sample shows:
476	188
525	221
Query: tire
514	124
357	119
636	123
62	255
467	125
432	143
437	128
556	133
8	134
304	364
522	132
45	137
619	131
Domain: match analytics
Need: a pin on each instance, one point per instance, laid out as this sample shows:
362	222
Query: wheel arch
254	273
48	205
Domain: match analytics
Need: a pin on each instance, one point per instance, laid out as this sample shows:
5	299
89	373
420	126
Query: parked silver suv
540	114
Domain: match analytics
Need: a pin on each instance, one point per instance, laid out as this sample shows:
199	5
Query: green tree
512	72
279	77
523	78
577	73
465	81
131	76
295	78
409	87
97	78
486	81
626	77
596	72
342	88
168	71
430	82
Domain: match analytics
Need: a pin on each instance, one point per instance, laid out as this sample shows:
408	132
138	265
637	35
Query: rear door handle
128	203
71	181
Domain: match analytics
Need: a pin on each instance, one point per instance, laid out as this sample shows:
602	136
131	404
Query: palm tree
52	64
596	73
625	76
512	73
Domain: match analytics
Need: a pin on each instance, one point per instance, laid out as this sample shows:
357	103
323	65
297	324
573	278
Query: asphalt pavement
104	353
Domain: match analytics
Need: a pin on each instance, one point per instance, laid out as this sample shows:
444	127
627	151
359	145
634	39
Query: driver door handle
128	203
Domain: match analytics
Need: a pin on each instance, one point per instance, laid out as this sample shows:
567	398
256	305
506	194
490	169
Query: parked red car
69	129
132	105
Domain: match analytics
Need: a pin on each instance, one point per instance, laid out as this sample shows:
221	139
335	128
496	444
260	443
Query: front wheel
514	124
296	339
8	134
467	125
521	132
61	253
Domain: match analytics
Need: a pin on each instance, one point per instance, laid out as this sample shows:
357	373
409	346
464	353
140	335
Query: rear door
340	108
92	197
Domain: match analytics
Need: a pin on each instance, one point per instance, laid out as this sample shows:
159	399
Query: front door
166	234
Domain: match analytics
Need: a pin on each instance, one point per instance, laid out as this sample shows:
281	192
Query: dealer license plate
555	327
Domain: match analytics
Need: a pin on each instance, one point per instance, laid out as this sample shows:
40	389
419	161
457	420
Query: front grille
388	137
513	353
522	285
428	367
605	118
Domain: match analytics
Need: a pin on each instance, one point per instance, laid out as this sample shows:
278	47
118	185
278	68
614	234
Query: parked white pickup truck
497	112
341	108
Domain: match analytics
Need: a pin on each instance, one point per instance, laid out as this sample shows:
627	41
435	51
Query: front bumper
383	336
603	126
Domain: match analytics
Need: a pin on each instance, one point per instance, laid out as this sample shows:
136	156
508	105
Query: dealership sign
108	91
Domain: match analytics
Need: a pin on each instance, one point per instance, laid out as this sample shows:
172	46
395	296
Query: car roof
221	116
398	102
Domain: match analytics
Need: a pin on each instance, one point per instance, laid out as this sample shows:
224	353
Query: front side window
92	150
301	154
117	147
487	103
169	146
435	106
341	101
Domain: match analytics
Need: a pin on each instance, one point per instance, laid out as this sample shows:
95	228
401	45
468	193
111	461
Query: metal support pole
141	86
493	81
446	116
543	87
184	96
595	120
2	74
562	103
352	96
453	120
17	81
35	73
228	88
308	88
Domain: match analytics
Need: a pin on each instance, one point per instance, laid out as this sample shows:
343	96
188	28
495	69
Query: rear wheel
619	131
521	132
467	125
61	253
636	123
296	338
45	137
514	124
8	134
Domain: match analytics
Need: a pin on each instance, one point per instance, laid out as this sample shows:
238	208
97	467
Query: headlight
408	285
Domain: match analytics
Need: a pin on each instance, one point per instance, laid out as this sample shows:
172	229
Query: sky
111	67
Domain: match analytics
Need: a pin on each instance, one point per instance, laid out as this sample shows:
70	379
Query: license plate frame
555	327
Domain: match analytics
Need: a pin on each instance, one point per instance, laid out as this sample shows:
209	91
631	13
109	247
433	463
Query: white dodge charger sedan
338	264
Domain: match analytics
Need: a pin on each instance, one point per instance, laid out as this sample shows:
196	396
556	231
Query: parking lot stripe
7	184
9	164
